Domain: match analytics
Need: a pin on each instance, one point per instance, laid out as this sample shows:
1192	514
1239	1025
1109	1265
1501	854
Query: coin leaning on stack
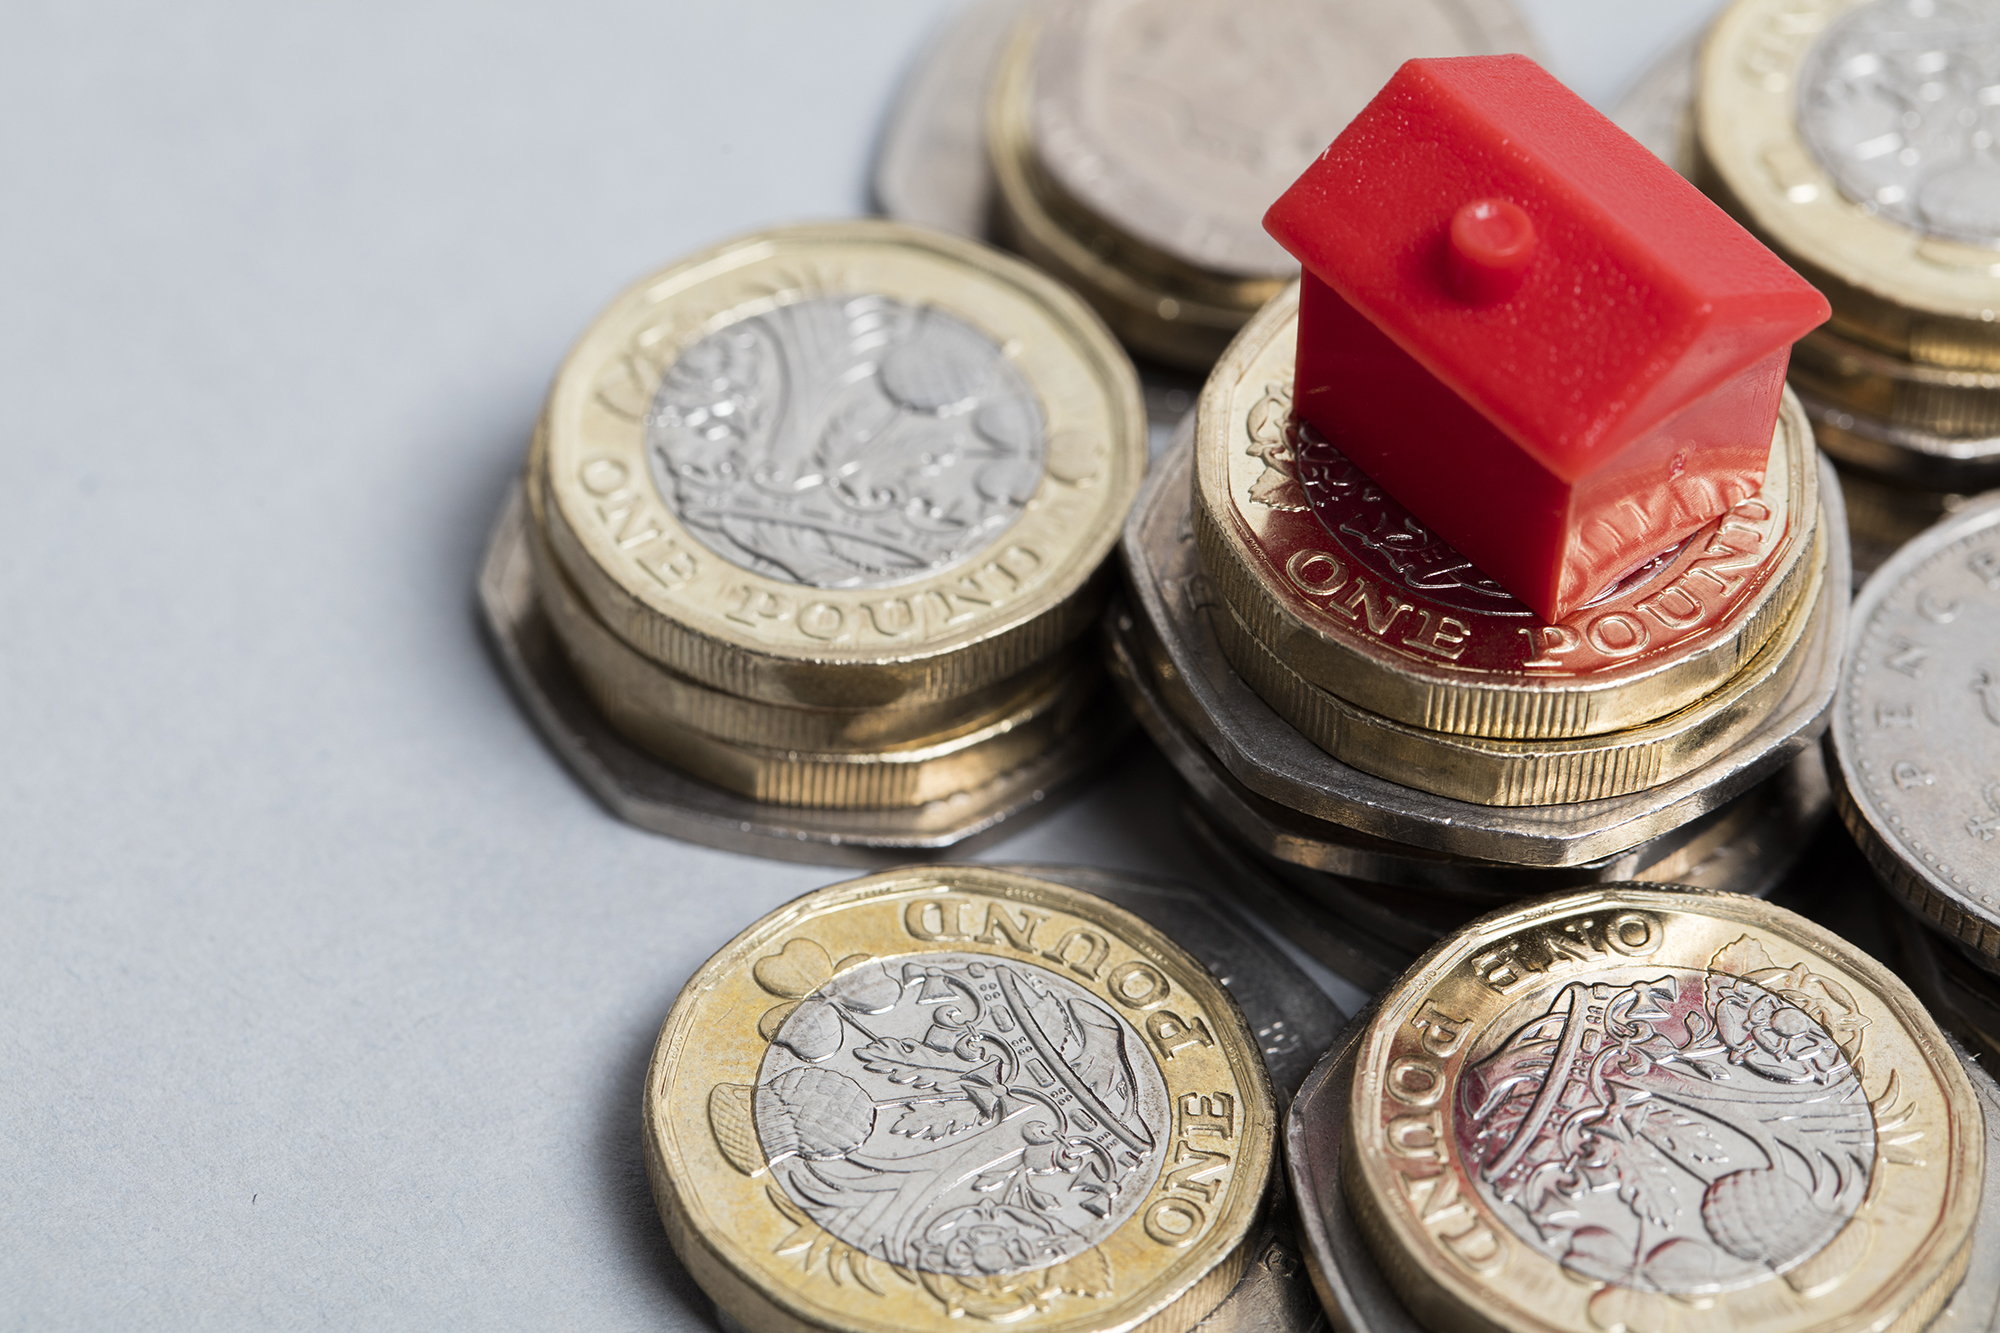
1916	758
958	1093
1357	710
816	517
1135	145
1849	142
1648	1109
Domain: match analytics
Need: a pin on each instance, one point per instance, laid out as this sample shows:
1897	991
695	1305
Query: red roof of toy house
1641	295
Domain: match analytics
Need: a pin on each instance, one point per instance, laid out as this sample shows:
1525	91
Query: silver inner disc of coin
1900	101
846	441
1688	1132
957	1114
1181	120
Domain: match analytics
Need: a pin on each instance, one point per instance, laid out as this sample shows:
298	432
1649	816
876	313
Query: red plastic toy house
1526	328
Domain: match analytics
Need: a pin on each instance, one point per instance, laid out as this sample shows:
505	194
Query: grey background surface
325	994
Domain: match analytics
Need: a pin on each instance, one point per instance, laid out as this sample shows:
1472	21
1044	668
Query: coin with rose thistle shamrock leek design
1661	1109
958	1095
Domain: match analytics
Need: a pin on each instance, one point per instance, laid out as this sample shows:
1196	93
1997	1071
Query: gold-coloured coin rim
1948	402
1925	299
1547	772
891	778
724	1228
1160	306
664	591
1435	1272
1398	686
656	707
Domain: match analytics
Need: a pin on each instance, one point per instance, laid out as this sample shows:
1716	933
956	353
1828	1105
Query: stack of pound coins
1646	1108
816	518
959	1096
1398	744
1135	146
1915	744
1854	137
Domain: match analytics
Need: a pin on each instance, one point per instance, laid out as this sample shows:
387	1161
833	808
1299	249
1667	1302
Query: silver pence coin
1916	726
1179	121
1268	756
846	441
1897	101
1357	1292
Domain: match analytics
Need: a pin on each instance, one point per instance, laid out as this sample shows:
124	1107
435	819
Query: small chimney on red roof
1550	348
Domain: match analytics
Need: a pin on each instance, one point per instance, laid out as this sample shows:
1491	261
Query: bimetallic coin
1173	602
1645	1108
1855	137
1916	728
953	1093
658	708
1733	847
1352	594
1356	1289
1529	773
918	773
654	795
1895	102
842	465
1922	425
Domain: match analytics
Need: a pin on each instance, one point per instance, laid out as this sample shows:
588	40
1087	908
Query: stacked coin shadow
1849	145
1380	744
1915	762
1131	148
811	539
1434	1178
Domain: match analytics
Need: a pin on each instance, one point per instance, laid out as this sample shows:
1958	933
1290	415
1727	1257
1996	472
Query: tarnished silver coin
1916	727
1896	101
1269	757
1292	1018
1358	1294
1179	121
643	790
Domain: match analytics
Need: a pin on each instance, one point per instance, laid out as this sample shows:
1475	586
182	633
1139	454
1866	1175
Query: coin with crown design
1348	594
1650	1109
954	1096
842	465
1856	138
